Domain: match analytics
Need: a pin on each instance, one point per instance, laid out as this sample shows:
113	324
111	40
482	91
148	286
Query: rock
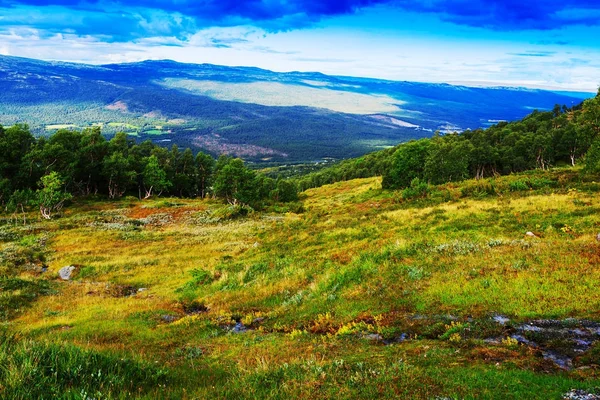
530	234
373	336
168	318
501	319
578	394
65	273
142	289
239	328
398	339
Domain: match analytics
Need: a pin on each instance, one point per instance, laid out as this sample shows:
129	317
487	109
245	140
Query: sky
552	44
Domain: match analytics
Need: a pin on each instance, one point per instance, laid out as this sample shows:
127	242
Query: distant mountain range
256	114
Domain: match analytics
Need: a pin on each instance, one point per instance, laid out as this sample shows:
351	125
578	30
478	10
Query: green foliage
154	177
72	163
592	159
417	189
408	163
50	196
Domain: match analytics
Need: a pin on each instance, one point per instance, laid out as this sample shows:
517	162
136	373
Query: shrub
417	189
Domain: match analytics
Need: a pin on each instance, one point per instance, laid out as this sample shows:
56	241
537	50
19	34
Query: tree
184	181
118	173
234	182
448	160
19	201
93	150
592	158
407	164
155	177
573	141
285	191
205	166
51	196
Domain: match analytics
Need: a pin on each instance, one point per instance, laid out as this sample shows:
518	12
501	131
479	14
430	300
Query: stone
239	328
578	394
142	289
530	234
501	319
373	336
65	273
168	318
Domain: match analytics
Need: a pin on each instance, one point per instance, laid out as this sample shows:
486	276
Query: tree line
46	172
540	140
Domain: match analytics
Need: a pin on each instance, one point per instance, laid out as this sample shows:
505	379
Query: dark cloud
124	20
508	15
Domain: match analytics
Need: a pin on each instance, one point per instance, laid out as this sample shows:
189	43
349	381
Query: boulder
530	234
65	273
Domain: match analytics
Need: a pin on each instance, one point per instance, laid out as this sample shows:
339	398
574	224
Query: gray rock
373	336
530	234
168	318
65	273
142	289
577	394
239	328
501	319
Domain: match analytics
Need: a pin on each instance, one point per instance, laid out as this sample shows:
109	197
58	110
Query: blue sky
549	44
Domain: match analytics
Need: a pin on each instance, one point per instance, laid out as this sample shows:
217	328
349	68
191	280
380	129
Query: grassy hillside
366	293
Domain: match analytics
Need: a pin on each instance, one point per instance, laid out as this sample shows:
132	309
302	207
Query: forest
563	136
47	172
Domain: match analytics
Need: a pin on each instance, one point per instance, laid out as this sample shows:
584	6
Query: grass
163	282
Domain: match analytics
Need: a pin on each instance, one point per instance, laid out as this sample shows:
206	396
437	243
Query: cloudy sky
533	43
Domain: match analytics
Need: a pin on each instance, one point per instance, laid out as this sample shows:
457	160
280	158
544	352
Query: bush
417	189
479	188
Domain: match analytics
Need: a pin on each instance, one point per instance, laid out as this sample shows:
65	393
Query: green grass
154	132
39	370
357	261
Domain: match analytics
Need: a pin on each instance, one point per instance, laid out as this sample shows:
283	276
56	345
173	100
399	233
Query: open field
358	293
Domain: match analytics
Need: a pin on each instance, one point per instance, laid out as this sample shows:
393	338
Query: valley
281	118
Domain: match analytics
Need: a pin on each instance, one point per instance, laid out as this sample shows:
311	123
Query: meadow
352	292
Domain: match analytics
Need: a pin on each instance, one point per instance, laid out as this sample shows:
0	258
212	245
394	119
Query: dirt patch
118	106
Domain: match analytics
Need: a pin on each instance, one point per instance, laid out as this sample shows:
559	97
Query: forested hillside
562	136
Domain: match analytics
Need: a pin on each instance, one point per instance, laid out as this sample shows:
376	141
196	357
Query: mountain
249	112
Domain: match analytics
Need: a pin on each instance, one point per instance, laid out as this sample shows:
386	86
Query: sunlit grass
358	261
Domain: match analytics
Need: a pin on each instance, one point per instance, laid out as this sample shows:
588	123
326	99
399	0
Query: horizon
541	45
467	84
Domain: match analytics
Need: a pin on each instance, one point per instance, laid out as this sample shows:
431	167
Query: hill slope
363	295
249	112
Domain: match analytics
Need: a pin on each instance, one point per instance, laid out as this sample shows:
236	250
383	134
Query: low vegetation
362	293
233	285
